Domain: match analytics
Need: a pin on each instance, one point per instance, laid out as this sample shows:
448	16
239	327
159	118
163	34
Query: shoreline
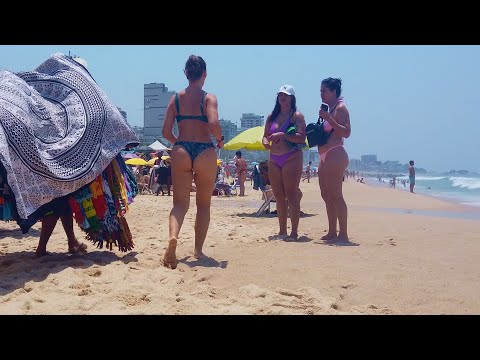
467	208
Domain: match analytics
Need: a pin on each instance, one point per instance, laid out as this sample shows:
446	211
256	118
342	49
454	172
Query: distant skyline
405	102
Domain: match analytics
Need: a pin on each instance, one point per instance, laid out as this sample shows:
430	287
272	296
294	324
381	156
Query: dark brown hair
276	109
195	67
333	84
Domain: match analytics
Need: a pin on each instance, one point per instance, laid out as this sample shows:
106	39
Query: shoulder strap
203	99
177	104
287	122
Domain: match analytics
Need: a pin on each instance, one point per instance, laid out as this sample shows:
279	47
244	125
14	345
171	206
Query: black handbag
316	135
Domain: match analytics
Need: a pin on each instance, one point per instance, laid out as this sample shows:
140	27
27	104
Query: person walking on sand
307	172
334	158
411	175
241	171
193	155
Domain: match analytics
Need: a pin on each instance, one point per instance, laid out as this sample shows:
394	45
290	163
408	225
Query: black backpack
316	135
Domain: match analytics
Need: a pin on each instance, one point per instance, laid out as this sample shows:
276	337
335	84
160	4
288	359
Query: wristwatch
223	138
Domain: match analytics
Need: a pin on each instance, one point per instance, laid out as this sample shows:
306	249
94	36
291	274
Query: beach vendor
60	143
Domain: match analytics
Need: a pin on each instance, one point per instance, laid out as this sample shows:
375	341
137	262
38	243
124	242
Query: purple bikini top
282	128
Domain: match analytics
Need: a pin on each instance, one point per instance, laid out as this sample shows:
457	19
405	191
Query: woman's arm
300	135
340	122
168	123
266	131
212	115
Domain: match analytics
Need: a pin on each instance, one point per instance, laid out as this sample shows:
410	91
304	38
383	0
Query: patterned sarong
58	131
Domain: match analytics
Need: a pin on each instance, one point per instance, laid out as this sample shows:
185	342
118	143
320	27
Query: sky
405	102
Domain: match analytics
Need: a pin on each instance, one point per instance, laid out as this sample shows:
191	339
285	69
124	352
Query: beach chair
261	183
235	186
143	185
268	198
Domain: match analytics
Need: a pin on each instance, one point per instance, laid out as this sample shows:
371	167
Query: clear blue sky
405	102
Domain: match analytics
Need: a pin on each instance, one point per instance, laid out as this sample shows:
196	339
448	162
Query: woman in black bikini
193	155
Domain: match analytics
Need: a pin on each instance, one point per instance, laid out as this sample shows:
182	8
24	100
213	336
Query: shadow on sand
286	238
271	215
190	261
18	268
17	233
335	243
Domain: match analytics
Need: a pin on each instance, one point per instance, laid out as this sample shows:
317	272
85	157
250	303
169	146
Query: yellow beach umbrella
136	162
250	139
151	162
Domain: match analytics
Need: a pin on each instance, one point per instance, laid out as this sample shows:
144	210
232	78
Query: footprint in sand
95	272
84	292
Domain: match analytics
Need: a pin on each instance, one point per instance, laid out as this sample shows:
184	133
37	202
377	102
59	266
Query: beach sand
398	262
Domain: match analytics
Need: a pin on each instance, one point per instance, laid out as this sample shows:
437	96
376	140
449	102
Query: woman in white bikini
334	159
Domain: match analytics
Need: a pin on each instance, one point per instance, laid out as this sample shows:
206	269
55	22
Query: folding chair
235	186
267	192
268	197
143	185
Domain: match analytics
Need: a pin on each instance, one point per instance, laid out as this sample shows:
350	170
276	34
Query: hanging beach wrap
60	140
58	133
99	207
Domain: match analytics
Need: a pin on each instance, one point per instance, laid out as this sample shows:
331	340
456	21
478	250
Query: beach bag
291	130
316	135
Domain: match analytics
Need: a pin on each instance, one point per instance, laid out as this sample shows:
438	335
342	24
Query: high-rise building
369	159
250	120
229	129
155	99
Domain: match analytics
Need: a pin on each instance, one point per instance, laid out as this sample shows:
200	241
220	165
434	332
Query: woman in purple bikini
284	135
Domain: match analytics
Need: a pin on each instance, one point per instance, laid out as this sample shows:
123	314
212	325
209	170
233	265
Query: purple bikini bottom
280	160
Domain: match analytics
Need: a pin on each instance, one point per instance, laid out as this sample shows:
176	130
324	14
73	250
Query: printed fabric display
60	144
99	207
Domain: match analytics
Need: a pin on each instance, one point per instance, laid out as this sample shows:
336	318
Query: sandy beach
403	258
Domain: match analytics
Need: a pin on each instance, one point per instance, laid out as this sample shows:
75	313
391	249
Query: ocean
458	189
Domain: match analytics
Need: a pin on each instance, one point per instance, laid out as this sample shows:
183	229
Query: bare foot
342	238
78	248
329	236
199	255
40	253
293	236
170	259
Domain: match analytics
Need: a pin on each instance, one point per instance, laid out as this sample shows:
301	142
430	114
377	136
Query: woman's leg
74	246
335	164
48	224
276	181
291	174
182	182
330	207
242	177
205	169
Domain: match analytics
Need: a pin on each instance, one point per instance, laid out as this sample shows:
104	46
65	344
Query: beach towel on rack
58	131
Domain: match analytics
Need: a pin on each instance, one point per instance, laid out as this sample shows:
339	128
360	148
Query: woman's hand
325	115
220	144
276	137
266	143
